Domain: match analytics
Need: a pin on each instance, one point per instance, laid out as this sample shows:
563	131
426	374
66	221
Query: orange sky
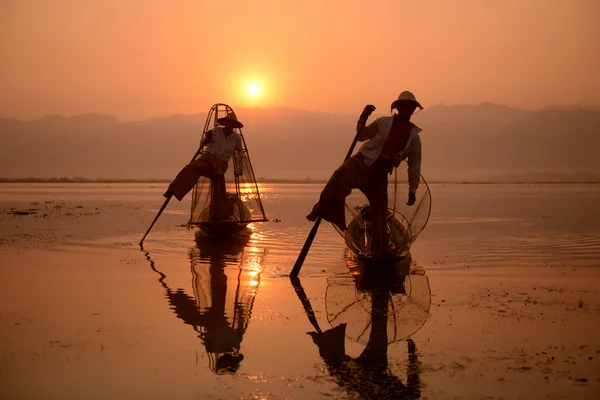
136	59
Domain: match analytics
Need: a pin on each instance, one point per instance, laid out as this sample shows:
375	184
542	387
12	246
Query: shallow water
85	313
493	224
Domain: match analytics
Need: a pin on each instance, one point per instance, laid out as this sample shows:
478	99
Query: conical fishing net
404	223
242	194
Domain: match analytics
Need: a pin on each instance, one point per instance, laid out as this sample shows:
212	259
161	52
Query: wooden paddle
166	202
313	232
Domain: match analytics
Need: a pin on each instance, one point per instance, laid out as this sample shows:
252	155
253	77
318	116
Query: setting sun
253	90
253	87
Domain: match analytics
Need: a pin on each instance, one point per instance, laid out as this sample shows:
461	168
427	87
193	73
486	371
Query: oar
165	203
313	231
155	219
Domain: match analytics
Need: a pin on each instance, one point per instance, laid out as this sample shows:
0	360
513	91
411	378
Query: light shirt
223	147
376	134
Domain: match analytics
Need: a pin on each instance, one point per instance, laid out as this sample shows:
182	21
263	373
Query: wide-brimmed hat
406	96
231	120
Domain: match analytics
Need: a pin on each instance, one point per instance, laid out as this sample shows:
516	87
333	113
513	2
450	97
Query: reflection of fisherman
389	140
368	374
219	336
222	338
220	143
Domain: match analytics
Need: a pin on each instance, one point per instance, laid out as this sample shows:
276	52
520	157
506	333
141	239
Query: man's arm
207	138
366	132
414	169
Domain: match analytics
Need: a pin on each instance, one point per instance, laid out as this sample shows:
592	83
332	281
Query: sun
253	89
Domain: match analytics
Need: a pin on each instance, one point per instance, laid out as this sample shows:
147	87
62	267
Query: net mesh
402	301
404	222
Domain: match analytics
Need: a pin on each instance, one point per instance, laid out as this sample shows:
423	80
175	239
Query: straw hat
406	96
231	120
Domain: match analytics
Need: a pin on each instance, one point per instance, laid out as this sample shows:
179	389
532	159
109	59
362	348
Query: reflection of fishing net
242	199
406	300
404	223
225	283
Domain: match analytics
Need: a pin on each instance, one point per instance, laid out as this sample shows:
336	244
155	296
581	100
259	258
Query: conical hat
230	119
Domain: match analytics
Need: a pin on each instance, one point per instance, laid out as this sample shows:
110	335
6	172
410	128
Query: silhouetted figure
207	311
388	141
220	144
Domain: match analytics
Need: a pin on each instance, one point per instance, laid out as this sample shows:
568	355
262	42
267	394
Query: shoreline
290	181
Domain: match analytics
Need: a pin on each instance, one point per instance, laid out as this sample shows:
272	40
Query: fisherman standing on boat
389	141
220	144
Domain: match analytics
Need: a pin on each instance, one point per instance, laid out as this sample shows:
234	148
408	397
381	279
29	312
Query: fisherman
388	141
220	144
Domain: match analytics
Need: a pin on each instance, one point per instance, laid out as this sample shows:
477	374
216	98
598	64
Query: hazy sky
144	58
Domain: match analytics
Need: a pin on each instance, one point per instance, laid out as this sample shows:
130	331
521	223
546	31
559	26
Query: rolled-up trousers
372	181
208	166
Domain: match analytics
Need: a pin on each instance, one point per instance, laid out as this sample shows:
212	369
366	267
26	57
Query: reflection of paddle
305	302
313	231
165	203
331	343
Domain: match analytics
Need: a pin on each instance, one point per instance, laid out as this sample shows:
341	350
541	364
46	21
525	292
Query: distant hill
464	142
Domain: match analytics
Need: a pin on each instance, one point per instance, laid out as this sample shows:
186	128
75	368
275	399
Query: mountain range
460	143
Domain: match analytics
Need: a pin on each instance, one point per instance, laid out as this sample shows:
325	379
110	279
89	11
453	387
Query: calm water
470	223
191	317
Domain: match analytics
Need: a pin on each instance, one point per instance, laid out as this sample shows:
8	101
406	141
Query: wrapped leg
350	175
188	177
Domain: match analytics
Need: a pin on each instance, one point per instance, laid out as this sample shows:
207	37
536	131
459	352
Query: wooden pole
165	203
313	231
155	219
